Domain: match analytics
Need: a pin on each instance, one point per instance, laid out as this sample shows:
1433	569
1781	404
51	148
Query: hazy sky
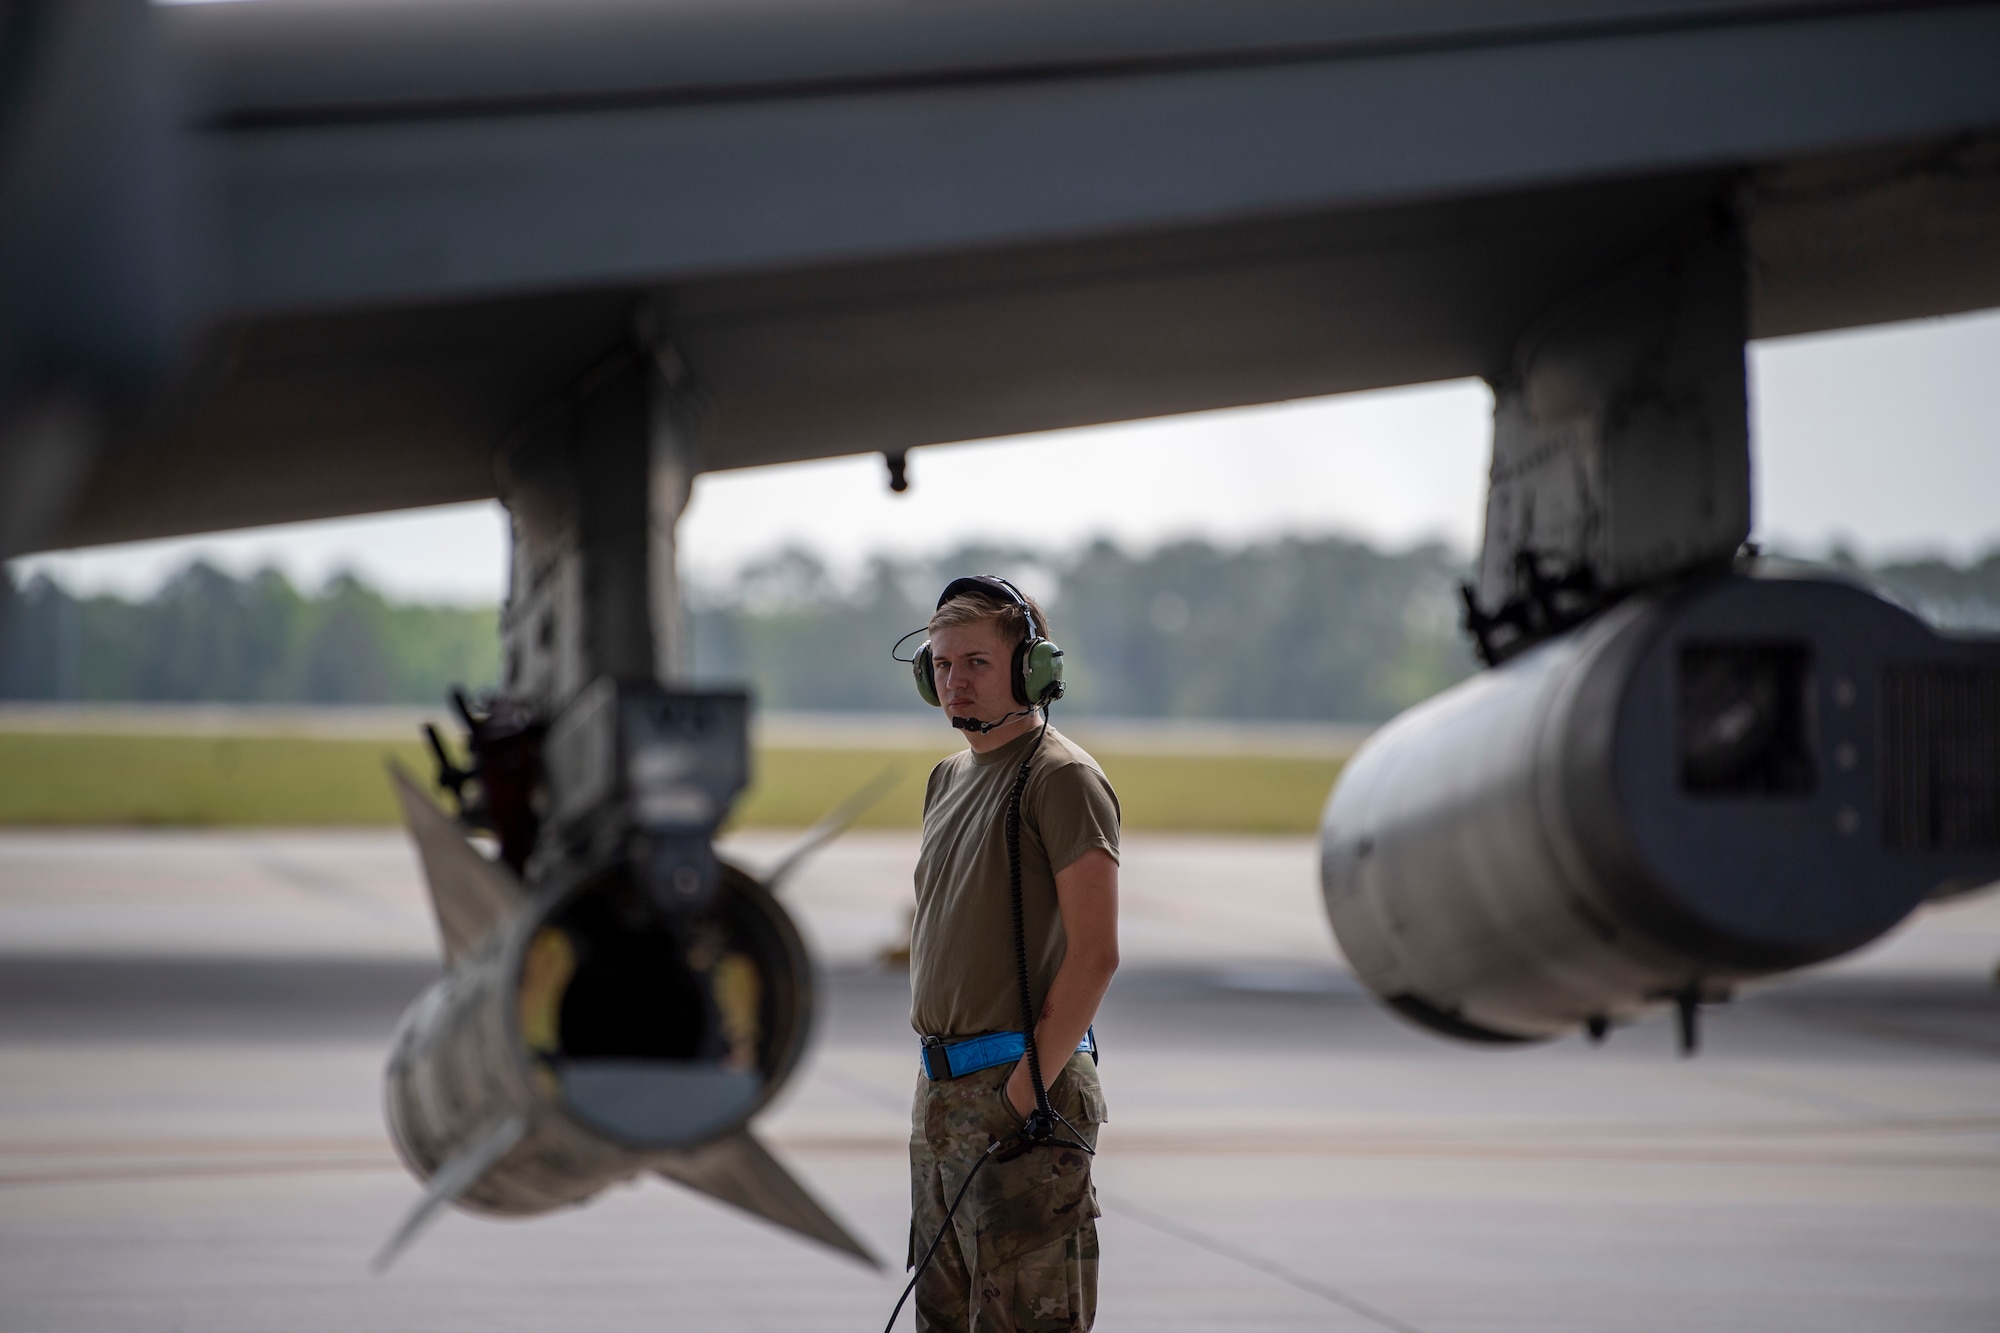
1886	438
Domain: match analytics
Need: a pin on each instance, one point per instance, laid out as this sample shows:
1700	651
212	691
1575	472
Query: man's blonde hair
973	608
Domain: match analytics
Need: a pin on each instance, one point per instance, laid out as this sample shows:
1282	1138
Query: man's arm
1087	896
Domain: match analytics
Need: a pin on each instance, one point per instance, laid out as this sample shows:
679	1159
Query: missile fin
460	1172
740	1171
836	822
470	895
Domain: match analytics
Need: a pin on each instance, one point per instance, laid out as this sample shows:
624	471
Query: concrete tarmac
192	1028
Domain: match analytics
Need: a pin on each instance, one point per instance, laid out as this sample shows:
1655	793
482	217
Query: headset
1036	673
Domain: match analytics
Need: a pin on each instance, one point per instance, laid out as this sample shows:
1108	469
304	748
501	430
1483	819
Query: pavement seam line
1269	1267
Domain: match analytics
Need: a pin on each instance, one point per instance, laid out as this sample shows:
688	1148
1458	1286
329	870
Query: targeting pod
1694	789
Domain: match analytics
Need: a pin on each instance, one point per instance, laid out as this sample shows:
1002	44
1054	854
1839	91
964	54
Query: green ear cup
1043	673
920	667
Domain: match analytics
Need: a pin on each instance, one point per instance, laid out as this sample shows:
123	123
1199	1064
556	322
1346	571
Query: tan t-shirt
962	946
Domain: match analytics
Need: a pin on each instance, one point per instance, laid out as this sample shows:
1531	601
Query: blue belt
943	1060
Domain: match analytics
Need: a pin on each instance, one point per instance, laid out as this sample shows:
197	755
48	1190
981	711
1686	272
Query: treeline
1324	629
1950	596
209	637
1311	629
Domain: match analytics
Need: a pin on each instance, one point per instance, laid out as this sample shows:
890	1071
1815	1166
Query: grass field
55	779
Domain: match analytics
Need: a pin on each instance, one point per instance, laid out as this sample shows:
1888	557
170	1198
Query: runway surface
192	1028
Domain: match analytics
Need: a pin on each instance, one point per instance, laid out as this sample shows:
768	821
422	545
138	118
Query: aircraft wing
377	238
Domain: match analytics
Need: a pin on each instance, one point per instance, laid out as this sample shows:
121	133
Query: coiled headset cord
1040	1129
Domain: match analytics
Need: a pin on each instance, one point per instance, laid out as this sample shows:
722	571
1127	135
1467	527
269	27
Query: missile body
1696	788
631	1005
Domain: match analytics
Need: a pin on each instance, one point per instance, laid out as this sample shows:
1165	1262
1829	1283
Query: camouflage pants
1021	1253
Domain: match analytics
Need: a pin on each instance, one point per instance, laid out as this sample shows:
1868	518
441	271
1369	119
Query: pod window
1746	719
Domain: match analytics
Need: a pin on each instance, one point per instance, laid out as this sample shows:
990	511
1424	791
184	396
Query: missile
1698	788
582	1036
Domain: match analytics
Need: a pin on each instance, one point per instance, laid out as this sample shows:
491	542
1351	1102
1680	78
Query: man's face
970	664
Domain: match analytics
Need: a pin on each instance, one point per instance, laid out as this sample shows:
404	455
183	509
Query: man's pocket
1045	1194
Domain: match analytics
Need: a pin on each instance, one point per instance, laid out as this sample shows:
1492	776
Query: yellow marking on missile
545	974
739	994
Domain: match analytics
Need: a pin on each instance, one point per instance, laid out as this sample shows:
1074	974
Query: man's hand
1021	1089
1087	896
